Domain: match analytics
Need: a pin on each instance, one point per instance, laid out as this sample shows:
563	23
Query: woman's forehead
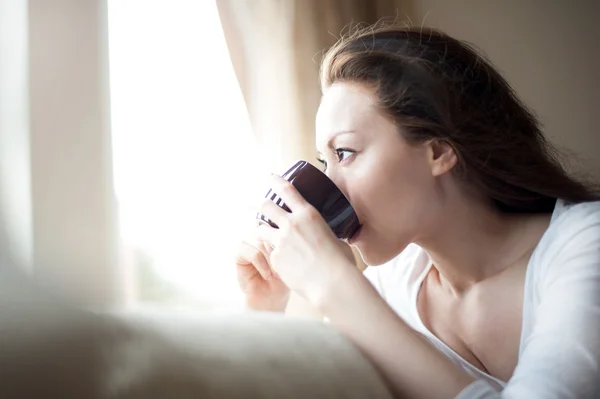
344	107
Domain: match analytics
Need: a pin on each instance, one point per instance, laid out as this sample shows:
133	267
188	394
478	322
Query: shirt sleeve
561	357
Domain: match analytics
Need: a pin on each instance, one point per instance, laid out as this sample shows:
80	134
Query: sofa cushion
49	349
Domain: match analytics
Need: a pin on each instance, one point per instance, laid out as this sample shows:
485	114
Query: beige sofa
50	350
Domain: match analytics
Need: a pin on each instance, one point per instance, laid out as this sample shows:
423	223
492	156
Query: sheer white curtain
187	172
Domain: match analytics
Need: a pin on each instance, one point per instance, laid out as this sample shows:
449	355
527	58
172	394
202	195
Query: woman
485	254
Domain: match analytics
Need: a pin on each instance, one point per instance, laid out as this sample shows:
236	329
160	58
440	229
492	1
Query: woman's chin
371	257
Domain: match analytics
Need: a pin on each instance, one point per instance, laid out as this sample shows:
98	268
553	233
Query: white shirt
559	351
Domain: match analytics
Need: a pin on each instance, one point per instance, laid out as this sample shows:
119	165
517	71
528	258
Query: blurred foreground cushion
48	349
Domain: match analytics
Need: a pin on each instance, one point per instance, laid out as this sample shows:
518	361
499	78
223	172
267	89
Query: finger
288	193
251	253
274	213
267	234
268	248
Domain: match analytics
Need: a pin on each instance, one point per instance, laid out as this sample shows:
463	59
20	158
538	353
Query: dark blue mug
322	193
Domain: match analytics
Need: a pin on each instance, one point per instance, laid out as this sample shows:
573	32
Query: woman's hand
305	253
263	289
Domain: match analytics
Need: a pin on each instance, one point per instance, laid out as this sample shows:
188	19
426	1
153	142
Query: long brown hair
438	88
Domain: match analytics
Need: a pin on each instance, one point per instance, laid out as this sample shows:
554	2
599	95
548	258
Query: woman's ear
442	157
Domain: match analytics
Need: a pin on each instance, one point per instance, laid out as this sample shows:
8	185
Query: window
187	173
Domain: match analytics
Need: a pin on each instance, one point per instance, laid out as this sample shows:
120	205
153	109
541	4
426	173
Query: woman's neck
473	242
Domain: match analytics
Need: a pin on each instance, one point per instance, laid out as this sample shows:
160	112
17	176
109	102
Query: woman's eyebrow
330	141
337	134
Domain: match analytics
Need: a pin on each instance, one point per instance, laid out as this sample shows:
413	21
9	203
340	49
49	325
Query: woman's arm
412	367
300	307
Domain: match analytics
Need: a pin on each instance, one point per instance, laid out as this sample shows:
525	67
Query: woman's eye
343	154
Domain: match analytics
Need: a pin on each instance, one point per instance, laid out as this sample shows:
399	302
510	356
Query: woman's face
391	184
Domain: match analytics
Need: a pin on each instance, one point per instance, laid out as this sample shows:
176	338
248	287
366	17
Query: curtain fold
58	213
276	48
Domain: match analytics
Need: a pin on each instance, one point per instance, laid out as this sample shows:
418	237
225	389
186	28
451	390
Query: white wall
547	50
15	202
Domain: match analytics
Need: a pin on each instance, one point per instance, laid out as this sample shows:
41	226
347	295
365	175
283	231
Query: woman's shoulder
571	243
561	311
573	224
575	214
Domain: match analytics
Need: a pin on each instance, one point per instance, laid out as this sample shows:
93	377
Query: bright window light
187	173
